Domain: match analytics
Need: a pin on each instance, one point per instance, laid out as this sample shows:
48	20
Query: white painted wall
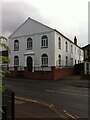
76	56
36	30
36	52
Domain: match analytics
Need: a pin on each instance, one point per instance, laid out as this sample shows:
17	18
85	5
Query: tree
3	59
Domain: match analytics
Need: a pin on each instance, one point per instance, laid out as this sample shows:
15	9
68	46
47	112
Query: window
71	49
66	47
44	41
59	60
59	43
16	61
29	43
44	60
75	61
66	61
71	61
75	50
16	45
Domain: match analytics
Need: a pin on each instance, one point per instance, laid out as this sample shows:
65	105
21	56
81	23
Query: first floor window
44	60
29	43
16	61
16	45
66	46
44	41
59	43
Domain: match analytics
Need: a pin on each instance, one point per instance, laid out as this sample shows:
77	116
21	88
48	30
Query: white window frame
66	61
44	41
16	45
59	43
29	43
16	61
59	60
44	60
66	44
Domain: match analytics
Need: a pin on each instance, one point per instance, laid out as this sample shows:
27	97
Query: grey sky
69	17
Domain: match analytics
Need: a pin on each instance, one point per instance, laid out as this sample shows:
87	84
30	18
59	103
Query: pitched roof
47	27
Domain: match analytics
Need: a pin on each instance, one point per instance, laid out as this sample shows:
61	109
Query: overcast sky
70	17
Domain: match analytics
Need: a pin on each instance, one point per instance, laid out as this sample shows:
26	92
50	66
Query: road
73	100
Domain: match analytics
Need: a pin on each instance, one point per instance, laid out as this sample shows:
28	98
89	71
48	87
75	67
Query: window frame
66	61
29	44
44	41
16	45
16	61
59	60
66	44
44	60
59	43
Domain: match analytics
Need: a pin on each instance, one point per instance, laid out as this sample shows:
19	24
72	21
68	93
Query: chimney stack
75	40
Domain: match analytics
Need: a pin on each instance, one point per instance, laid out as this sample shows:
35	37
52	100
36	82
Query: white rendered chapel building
35	45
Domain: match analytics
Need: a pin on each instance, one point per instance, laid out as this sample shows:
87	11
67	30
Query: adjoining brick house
39	51
86	59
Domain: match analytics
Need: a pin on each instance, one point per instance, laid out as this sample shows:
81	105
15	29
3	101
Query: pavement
24	110
76	81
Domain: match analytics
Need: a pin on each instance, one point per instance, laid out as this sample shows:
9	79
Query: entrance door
29	63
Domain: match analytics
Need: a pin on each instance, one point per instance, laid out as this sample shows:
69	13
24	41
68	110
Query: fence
8	105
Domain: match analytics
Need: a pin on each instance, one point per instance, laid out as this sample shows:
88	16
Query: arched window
71	49
66	46
59	43
59	60
16	45
44	41
44	60
16	61
29	43
66	61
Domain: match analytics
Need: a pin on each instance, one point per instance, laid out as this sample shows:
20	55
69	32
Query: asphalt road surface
70	99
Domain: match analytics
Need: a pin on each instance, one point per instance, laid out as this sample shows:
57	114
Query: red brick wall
62	73
13	74
38	75
55	74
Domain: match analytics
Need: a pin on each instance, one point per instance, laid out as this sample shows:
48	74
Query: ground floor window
16	61
87	67
44	59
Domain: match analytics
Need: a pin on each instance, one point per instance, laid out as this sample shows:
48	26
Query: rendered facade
39	47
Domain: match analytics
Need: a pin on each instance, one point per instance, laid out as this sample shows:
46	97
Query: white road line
66	93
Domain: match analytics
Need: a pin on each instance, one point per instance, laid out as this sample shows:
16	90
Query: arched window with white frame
66	61
16	61
29	43
16	45
59	43
59	60
66	46
44	59
44	41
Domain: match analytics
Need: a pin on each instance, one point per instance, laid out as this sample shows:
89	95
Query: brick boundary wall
54	74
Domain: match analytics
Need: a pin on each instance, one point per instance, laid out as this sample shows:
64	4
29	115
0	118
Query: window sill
43	47
15	50
29	49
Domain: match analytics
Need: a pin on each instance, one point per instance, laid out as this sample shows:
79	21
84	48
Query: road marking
50	106
74	117
65	93
19	102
